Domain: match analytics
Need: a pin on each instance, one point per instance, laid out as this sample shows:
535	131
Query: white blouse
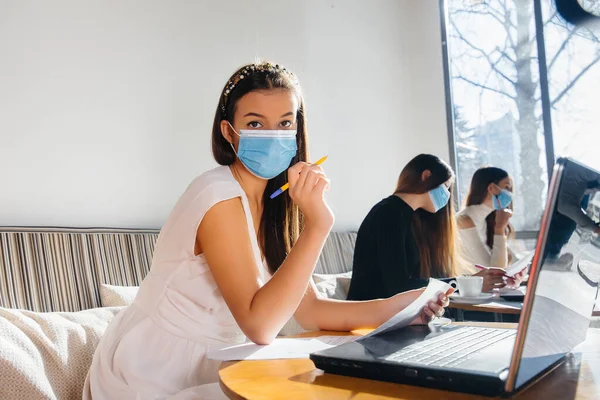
473	242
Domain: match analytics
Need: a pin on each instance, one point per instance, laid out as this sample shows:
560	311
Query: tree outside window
495	82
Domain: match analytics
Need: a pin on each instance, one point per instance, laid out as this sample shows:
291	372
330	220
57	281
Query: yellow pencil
287	185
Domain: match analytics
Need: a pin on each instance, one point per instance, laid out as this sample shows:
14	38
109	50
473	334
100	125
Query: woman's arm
475	251
261	311
316	313
500	248
499	253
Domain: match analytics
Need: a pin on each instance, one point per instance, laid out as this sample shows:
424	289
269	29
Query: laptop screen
565	280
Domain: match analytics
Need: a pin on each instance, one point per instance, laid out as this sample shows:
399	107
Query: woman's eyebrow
253	114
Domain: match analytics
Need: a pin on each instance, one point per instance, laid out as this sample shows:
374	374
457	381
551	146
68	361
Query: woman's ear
227	131
425	175
491	189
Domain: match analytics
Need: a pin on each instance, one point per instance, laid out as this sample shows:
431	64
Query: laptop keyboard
452	348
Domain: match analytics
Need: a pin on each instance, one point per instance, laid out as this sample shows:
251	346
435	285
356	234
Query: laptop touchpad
493	359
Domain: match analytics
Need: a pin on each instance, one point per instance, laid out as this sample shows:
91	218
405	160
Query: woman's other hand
434	309
493	278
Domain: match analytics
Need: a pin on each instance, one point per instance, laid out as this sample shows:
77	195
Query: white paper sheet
520	291
501	304
337	340
406	316
520	265
280	348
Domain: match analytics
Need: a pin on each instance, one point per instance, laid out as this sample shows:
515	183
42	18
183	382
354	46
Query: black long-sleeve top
386	257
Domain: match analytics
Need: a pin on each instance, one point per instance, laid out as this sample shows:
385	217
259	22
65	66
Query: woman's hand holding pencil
287	185
307	185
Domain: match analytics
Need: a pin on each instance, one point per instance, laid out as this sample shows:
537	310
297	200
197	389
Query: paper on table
520	291
520	265
279	349
337	340
497	304
406	316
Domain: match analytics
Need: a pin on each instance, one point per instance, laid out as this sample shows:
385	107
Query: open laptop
556	314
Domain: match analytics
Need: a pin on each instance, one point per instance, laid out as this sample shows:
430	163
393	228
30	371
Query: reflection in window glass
591	6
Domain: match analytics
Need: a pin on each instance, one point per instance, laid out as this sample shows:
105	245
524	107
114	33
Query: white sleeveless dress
157	347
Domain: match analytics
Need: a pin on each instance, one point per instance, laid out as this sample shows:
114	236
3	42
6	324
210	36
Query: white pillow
331	286
292	327
47	355
117	296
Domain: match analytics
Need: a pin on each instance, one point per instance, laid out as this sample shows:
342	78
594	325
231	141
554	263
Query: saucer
457	298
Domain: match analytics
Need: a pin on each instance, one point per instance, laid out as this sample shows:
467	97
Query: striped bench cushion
53	269
61	269
337	254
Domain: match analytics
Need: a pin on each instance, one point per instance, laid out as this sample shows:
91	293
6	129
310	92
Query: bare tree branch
491	14
479	85
483	53
560	49
504	54
544	24
550	19
502	13
508	24
574	81
504	6
578	31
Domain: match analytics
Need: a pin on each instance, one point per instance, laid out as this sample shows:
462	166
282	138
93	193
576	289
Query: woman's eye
254	124
287	124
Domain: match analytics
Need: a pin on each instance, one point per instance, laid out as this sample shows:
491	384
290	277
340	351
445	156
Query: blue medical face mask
439	197
502	200
266	153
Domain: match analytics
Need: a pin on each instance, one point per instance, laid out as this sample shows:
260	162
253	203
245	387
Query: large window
525	86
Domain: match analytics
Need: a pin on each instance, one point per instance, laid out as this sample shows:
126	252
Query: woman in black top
410	236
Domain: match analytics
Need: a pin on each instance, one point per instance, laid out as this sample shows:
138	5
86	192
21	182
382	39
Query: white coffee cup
469	286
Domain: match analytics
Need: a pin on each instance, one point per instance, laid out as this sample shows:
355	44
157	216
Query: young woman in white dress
230	263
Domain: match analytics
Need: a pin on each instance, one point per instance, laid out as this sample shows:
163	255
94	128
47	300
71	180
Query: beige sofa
60	287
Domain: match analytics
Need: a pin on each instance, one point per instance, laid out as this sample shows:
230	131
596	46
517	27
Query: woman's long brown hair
282	220
478	191
435	233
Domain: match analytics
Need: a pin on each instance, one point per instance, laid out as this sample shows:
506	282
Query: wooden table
577	378
495	306
498	306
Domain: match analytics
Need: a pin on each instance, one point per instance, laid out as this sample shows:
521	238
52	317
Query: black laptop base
392	372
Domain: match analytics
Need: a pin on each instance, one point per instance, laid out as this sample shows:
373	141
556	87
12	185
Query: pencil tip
276	193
